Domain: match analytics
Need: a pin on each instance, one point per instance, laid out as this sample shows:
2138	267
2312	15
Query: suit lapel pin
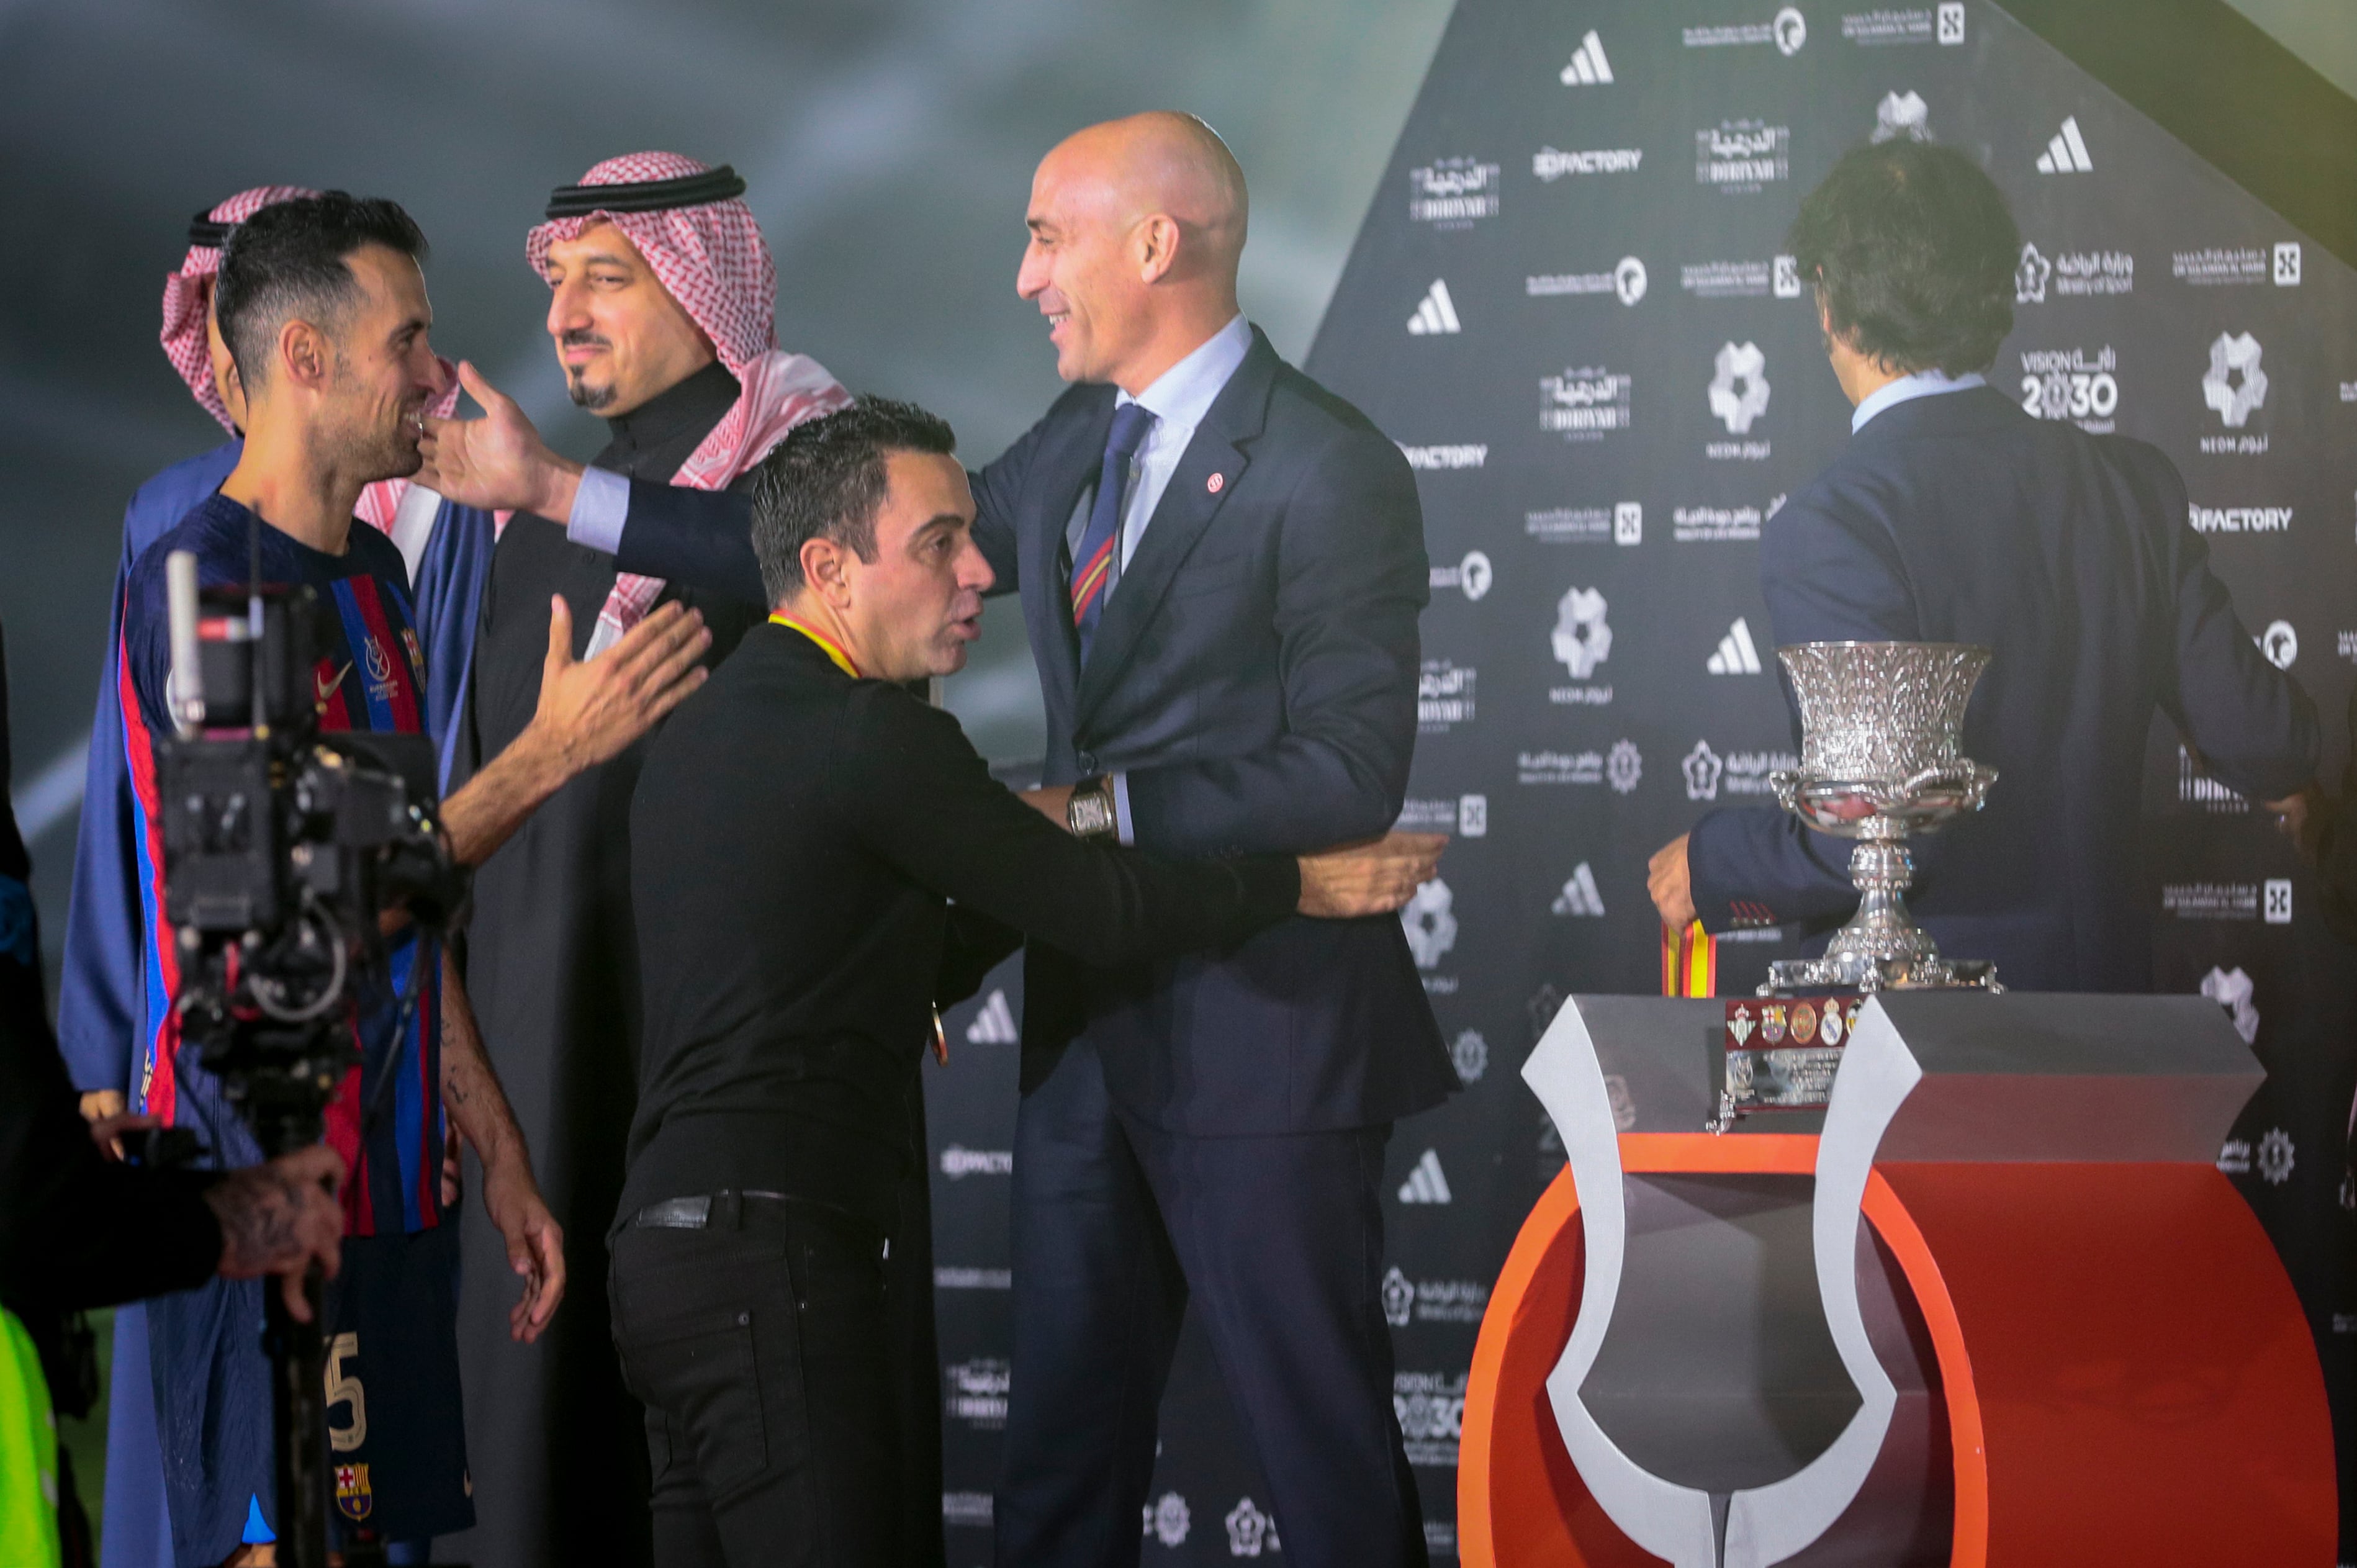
1214	483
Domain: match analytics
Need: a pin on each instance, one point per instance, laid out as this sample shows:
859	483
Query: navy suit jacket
1958	518
1254	676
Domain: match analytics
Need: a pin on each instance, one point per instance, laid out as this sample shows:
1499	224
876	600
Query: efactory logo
2066	153
1901	115
1551	164
2234	385
1582	637
1588	68
2240	520
993	1022
1738	386
1579	897
1430	922
1435	313
1736	655
959	1162
1460	455
1425	1183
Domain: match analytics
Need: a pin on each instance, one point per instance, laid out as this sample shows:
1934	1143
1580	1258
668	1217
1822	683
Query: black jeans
759	1346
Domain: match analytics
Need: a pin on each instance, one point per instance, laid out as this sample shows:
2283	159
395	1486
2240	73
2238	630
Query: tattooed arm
471	1091
279	1218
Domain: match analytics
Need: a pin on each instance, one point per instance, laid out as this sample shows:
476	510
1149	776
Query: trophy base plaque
1861	972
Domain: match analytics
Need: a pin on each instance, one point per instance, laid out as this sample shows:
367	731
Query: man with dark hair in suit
1954	516
1221	565
823	859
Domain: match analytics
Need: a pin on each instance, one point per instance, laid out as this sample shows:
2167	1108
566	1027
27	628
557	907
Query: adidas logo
1588	65
993	1022
2067	153
1736	655
1425	1183
1580	896
1436	313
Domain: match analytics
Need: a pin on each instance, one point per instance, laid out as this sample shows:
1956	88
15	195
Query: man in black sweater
819	861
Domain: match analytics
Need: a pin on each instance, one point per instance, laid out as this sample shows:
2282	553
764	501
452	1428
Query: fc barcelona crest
353	1498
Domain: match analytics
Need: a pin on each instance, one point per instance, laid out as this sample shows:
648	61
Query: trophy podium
1896	1269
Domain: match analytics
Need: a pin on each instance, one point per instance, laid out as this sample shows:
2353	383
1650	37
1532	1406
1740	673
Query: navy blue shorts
396	1429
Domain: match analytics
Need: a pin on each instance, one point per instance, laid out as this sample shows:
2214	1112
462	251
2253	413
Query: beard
587	394
377	451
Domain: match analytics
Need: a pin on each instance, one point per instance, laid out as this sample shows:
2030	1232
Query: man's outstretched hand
1671	882
498	462
280	1219
1373	877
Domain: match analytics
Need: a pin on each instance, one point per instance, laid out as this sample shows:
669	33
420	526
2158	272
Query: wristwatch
1090	812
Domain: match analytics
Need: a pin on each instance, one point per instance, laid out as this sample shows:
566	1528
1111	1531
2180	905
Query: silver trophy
1880	759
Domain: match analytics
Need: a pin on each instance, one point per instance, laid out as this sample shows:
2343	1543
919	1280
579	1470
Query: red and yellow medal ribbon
834	649
1689	961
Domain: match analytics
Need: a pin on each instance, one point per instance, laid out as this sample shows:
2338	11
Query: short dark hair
1912	251
288	260
826	479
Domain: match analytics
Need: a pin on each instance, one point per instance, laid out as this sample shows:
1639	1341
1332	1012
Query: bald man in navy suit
1954	516
1222	566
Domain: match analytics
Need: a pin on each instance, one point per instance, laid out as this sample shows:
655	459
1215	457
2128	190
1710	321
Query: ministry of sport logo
1625	281
2073	384
1742	158
1585	403
1250	1532
1588	68
1407	1301
1707	774
2072	275
1788	30
1452	193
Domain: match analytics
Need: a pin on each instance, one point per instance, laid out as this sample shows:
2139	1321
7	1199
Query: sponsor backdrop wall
1570	306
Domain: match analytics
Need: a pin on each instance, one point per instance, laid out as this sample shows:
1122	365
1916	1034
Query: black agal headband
205	228
647	195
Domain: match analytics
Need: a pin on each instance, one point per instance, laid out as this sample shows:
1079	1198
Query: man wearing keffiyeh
661	294
109	1003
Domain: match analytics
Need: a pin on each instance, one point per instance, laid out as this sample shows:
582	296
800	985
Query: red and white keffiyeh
185	302
711	259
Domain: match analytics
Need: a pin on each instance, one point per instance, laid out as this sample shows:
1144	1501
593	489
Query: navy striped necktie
1094	566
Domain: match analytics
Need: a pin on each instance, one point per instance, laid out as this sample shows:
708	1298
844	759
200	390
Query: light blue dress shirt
1922	383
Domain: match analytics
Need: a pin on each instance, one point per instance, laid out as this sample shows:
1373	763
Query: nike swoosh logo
327	683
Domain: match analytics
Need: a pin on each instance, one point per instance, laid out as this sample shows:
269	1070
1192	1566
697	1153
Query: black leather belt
729	1210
